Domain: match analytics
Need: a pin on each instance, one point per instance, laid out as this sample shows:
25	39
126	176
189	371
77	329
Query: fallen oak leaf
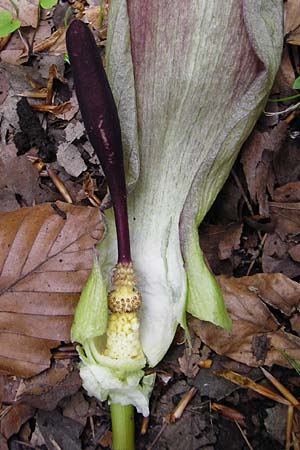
45	261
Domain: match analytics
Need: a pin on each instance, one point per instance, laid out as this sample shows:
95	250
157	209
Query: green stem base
122	422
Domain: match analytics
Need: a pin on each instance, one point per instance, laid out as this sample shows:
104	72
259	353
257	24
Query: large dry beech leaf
47	253
256	337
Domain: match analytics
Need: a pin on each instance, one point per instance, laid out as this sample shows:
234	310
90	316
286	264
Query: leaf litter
253	228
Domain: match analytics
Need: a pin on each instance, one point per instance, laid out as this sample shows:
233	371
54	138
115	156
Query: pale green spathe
191	94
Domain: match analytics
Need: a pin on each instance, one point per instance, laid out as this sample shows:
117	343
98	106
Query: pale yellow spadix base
123	337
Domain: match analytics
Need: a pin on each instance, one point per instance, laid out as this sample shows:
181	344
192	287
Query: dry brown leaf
256	335
219	243
189	361
4	86
284	80
89	186
106	440
12	421
92	15
46	389
70	113
55	43
77	408
3	443
257	156
288	193
292	21
15	52
28	11
59	432
286	162
18	177
281	251
46	257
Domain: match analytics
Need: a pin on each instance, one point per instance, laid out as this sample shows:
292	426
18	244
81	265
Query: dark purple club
101	121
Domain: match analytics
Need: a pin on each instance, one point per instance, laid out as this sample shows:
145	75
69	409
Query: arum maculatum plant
189	83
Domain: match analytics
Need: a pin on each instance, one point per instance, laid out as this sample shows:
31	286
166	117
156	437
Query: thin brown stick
244	436
175	415
260	248
282	389
239	185
151	446
91	420
59	185
289	427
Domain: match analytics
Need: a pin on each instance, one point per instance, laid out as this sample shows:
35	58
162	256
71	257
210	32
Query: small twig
282	389
239	185
26	444
296	433
54	443
24	41
91	420
260	247
5	411
289	427
179	410
290	117
165	424
176	414
244	436
59	185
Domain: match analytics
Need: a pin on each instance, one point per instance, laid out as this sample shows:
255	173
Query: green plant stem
285	99
122	422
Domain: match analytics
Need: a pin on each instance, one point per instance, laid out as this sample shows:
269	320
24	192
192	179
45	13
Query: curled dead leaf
292	22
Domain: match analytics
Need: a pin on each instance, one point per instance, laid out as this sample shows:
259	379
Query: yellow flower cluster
123	340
